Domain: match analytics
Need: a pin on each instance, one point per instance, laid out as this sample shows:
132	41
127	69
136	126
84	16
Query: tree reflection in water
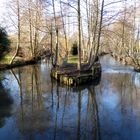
32	114
50	111
43	109
6	102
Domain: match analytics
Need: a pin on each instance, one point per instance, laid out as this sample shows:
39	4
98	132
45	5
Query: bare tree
19	30
79	36
30	27
56	29
64	28
99	35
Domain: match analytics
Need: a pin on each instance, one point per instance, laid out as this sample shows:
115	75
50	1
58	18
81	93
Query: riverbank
19	62
126	60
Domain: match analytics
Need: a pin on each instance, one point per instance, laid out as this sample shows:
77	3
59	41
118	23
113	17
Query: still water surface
33	107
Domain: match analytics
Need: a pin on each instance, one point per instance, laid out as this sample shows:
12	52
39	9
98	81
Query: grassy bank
6	59
72	59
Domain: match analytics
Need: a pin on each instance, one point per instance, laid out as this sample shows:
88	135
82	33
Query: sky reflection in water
42	109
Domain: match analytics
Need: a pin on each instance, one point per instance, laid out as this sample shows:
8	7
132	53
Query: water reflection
118	103
43	109
32	116
49	111
5	104
136	80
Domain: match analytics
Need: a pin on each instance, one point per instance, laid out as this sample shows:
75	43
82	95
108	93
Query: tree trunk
79	37
30	27
99	35
51	42
56	29
66	41
18	37
94	31
56	51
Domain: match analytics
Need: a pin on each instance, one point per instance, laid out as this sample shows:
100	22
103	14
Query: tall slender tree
19	30
79	36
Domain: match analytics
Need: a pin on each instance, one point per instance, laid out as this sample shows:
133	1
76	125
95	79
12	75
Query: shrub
74	49
4	42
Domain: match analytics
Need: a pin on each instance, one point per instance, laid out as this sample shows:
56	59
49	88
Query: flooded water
34	107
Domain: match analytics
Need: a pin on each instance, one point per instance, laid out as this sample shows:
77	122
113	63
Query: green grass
72	59
6	59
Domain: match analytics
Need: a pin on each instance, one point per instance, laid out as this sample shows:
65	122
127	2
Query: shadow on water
5	104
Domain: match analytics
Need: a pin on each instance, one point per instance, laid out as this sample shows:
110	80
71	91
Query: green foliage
74	49
4	42
6	59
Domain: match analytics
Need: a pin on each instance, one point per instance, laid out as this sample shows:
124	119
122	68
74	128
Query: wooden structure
72	77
